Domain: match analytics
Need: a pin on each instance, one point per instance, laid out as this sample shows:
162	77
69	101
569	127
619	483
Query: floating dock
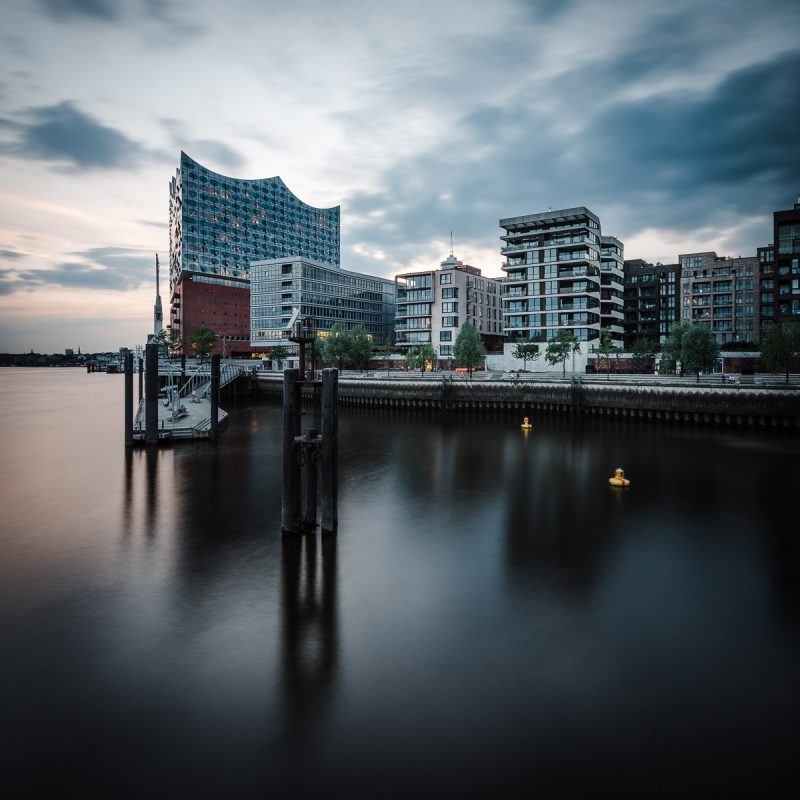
193	420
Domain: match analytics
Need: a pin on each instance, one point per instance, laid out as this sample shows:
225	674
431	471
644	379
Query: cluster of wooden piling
310	476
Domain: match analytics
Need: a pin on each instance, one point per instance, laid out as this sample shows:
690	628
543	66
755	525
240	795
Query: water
491	619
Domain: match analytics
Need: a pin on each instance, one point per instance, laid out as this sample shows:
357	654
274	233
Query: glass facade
218	225
559	262
325	292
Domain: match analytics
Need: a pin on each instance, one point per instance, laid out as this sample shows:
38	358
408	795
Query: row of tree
690	348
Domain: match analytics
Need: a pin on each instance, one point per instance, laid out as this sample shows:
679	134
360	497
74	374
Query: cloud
105	10
678	160
65	134
177	15
109	268
11	255
216	154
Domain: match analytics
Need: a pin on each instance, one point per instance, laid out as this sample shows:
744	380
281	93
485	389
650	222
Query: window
450	292
449	308
445	336
445	277
449	322
446	350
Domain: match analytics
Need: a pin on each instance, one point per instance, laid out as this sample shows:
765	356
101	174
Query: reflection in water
151	460
310	635
500	599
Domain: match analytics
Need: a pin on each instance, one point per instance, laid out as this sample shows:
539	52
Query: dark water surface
492	619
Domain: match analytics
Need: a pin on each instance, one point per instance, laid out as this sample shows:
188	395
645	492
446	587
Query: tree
693	345
418	356
642	351
780	347
202	341
359	346
169	341
333	348
525	351
468	349
606	348
413	358
427	355
560	348
279	353
342	347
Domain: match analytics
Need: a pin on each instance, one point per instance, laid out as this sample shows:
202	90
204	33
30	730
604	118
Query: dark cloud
211	151
736	146
215	154
64	134
176	15
683	161
112	268
106	10
11	255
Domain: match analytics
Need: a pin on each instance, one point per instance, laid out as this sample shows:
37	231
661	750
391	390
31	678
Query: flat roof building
433	305
721	293
279	287
652	301
562	274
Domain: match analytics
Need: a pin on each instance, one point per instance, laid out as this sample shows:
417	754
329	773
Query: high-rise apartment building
433	305
218	225
766	286
325	292
783	299
652	301
561	273
721	293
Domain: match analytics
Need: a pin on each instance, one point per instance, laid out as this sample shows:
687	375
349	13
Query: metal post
183	366
301	361
330	451
213	433
128	399
151	394
291	469
141	378
309	476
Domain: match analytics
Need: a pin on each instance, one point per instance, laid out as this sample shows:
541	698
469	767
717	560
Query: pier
177	404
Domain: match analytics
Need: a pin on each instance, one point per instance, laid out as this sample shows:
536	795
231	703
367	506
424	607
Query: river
491	620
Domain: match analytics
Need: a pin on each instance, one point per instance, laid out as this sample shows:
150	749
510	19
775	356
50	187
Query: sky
677	123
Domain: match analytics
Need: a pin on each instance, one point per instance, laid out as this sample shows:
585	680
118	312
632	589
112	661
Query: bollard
128	400
214	431
330	451
290	506
151	394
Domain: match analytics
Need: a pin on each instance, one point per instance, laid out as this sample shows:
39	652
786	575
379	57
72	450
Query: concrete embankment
732	406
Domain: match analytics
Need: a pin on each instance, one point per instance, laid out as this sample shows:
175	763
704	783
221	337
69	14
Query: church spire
158	316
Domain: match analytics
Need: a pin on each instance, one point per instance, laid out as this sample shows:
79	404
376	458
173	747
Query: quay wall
726	406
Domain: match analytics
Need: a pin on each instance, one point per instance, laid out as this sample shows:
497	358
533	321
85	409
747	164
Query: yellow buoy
526	426
619	478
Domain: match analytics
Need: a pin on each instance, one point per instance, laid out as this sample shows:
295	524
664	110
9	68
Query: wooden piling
290	507
151	394
330	451
309	470
141	379
128	399
214	430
